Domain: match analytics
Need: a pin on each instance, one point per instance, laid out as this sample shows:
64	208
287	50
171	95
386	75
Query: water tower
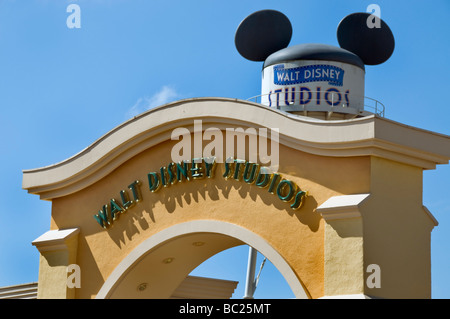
313	79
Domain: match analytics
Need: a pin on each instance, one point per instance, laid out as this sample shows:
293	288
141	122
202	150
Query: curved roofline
364	136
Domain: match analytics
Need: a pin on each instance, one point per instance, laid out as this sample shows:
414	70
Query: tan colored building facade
347	195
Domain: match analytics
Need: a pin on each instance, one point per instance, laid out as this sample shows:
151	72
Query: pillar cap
54	239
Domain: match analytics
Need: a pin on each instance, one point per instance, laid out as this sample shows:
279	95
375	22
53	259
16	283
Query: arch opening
159	264
231	264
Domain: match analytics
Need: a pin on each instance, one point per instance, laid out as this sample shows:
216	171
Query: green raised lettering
182	171
282	185
135	190
115	209
237	168
210	165
163	176
250	178
274	182
299	199
126	203
263	179
153	181
172	178
102	217
196	168
228	167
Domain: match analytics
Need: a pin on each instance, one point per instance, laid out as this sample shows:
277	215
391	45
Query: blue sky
61	89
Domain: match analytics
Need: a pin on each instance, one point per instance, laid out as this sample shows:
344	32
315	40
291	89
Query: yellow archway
363	176
167	257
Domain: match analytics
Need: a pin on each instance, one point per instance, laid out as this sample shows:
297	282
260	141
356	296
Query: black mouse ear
262	33
371	40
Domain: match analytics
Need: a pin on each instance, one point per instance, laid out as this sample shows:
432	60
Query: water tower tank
313	79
